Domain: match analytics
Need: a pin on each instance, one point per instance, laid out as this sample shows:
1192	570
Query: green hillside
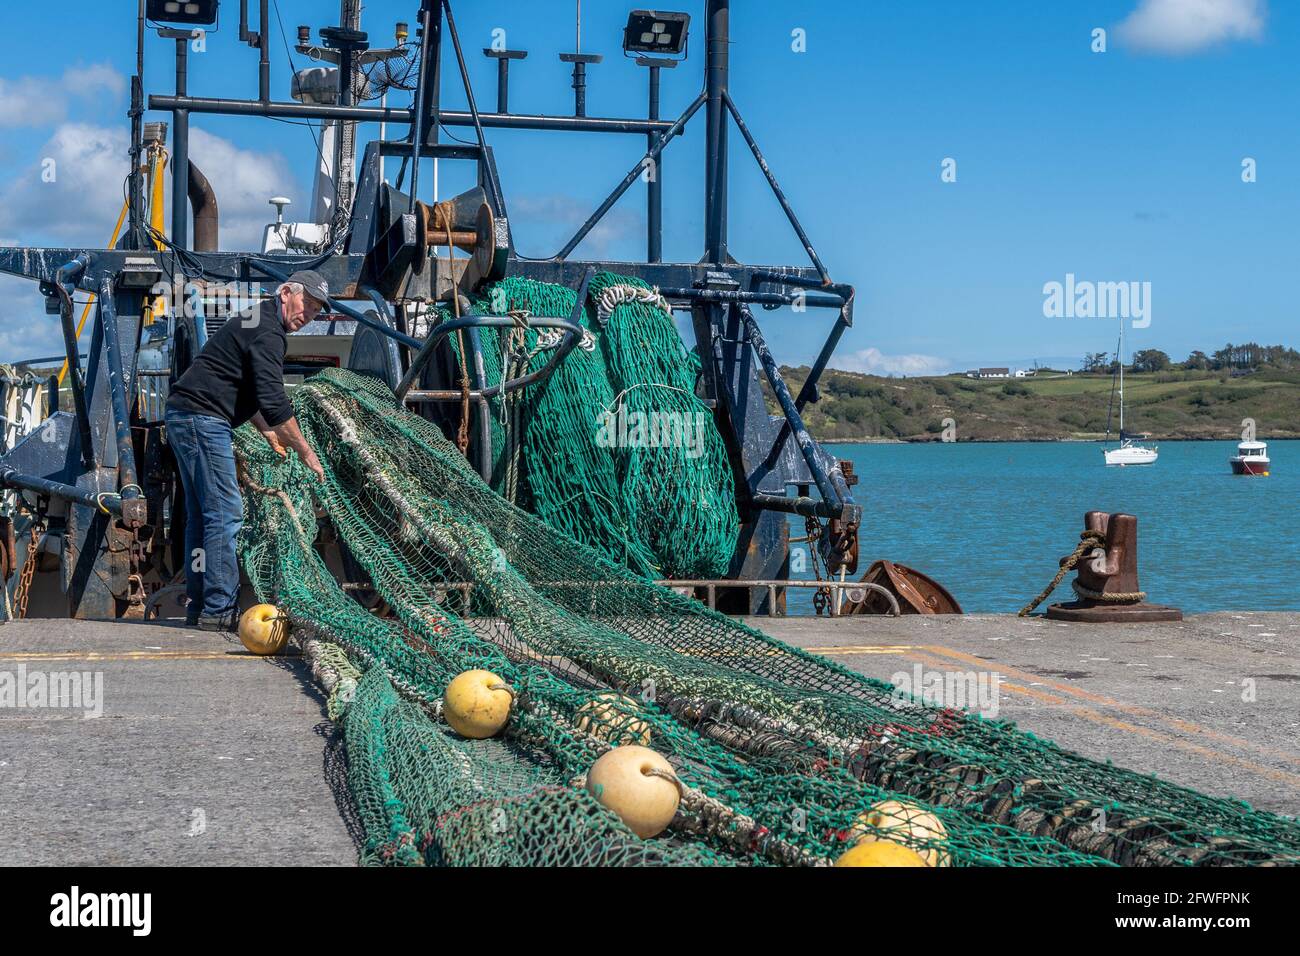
1169	405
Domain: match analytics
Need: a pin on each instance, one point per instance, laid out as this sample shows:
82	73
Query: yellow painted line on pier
838	650
934	656
1282	776
939	657
97	656
1133	710
852	650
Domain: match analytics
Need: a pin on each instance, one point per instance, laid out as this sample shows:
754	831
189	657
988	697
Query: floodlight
656	31
182	11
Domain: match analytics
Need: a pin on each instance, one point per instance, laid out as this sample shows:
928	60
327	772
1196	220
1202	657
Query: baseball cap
313	284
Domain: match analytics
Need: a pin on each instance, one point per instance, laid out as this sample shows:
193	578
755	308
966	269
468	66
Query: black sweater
239	372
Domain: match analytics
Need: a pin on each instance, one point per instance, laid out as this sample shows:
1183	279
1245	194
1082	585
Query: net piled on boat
614	449
780	752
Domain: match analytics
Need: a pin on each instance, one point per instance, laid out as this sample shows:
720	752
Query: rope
1112	597
1087	541
247	480
702	815
672	388
515	360
611	297
668	775
462	436
715	820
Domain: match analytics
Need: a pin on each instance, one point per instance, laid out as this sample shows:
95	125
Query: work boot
228	622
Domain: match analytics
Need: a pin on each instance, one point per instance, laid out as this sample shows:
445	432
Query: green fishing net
780	754
614	449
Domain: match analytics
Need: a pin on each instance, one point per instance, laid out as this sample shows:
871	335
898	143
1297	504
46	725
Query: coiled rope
1087	541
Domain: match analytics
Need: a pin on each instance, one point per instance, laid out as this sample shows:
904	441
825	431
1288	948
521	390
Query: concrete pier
1211	702
204	754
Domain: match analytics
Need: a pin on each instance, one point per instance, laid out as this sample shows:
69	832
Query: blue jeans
214	511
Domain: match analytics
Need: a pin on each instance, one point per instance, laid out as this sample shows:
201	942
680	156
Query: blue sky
1124	165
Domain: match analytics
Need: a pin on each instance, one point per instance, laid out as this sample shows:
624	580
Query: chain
822	596
29	570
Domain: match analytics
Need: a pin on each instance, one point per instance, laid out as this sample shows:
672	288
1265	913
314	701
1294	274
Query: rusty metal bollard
1106	586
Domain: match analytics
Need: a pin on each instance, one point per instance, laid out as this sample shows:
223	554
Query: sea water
990	521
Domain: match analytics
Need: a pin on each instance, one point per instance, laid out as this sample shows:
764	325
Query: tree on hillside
1150	360
1197	361
1233	356
1095	361
1254	355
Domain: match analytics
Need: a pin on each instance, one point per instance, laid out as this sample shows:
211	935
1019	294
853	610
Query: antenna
279	202
579	61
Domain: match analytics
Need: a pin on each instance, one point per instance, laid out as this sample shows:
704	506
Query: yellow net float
639	785
880	853
477	704
608	717
264	629
903	823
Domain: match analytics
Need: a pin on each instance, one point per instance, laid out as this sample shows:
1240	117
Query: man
238	377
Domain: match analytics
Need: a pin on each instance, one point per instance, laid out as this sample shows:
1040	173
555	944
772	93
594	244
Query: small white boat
1131	451
1251	459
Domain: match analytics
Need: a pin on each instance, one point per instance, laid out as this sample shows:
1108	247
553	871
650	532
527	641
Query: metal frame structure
80	469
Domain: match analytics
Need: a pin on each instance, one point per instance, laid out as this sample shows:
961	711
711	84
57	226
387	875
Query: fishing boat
393	244
1251	459
1131	450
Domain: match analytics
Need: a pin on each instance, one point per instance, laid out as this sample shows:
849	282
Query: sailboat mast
1120	357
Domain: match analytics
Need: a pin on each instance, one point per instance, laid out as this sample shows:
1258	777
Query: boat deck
205	754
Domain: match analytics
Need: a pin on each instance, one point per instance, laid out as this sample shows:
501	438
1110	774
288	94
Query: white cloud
26	331
1185	26
45	101
79	81
244	180
18	99
874	362
80	205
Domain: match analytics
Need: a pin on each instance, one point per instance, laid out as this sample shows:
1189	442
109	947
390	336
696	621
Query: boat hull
1131	456
1252	466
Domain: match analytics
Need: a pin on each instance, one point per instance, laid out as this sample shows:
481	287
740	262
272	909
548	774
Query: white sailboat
1130	451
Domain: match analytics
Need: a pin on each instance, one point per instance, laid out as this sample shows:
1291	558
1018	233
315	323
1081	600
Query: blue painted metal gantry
83	466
